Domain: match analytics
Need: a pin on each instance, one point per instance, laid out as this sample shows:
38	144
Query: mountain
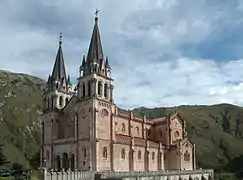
216	130
20	107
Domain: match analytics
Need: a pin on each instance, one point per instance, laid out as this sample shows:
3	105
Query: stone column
146	160
42	144
131	158
111	93
194	157
160	157
146	152
55	101
93	147
179	154
61	162
52	138
76	139
93	87
131	153
144	135
108	89
112	127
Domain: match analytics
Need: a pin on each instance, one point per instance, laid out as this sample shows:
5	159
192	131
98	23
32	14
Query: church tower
95	97
57	93
95	71
58	87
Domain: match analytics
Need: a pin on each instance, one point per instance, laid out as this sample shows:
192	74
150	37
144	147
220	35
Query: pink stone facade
85	130
116	140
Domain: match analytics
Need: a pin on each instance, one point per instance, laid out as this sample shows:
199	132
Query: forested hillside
216	130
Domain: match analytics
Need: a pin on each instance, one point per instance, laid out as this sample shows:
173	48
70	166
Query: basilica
82	128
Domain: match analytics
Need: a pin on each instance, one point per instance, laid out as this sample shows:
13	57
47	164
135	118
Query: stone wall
204	174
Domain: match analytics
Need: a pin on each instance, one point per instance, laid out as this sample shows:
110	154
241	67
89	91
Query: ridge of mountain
217	130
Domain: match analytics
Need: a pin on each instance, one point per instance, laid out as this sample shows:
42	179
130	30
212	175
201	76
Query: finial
60	39
96	15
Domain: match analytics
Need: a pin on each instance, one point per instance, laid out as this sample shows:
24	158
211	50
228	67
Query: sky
162	53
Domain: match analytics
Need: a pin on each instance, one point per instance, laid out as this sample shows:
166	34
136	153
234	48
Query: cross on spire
60	38
96	12
96	15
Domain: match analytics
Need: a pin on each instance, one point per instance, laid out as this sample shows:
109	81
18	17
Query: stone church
84	129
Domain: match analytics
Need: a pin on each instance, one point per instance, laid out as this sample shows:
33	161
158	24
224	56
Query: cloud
164	53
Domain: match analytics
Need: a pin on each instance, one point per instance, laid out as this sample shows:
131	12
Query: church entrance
65	162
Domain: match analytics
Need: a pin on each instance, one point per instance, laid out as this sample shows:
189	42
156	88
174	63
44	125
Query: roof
122	139
59	72
95	52
139	141
160	119
153	144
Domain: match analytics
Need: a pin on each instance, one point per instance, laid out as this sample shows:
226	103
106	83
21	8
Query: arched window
60	101
137	130
149	133
123	128
57	85
84	152
177	134
123	154
43	132
72	162
66	101
99	88
58	163
104	152
83	87
106	90
65	162
96	68
45	102
52	102
186	156
153	155
89	88
139	155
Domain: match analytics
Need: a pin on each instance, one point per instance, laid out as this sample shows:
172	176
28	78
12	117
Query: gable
176	123
178	117
186	142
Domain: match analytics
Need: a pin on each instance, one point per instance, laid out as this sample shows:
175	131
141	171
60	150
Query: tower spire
95	52
59	71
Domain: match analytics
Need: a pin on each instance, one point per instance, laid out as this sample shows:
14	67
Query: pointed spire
95	52
107	65
59	72
48	83
69	81
83	63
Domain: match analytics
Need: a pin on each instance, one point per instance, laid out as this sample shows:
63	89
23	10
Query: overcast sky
163	53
